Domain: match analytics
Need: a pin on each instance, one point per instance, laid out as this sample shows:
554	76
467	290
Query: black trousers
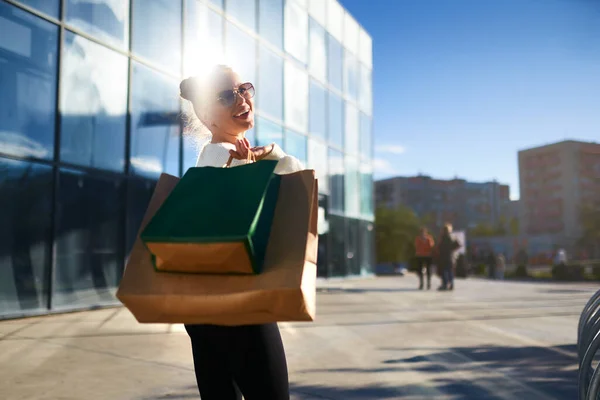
424	262
231	359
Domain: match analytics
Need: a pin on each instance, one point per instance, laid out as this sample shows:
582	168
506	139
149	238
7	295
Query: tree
590	232
483	230
513	226
395	232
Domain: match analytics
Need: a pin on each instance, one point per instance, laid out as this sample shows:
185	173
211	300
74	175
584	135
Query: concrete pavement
375	338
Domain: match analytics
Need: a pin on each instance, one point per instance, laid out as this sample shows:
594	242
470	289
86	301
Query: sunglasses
227	97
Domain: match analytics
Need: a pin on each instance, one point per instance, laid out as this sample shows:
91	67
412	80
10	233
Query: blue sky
461	85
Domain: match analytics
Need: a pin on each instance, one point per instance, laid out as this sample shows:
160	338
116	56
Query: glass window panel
28	72
296	31
295	145
301	3
352	140
108	20
50	7
337	241
203	44
139	193
89	246
317	160
218	3
93	104
365	47
154	123
350	75
336	180
241	53
268	132
335	19
251	136
335	63
317	110
353	263
352	187
366	247
270	19
296	97
317	9
269	90
366	137
336	120
157	32
366	90
243	10
25	237
366	191
318	51
351	29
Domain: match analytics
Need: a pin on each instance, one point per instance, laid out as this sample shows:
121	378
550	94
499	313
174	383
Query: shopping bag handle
251	158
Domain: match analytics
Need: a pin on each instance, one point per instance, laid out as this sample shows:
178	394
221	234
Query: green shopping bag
216	220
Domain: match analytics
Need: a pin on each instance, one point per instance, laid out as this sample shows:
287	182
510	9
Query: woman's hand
243	151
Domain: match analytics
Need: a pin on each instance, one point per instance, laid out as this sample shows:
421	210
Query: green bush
573	272
596	271
479	269
521	271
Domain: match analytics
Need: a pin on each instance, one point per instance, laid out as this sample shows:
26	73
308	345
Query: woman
446	248
248	359
424	245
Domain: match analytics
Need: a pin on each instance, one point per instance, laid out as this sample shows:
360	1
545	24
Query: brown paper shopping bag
284	291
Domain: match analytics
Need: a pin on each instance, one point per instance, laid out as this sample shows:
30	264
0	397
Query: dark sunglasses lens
247	90
227	97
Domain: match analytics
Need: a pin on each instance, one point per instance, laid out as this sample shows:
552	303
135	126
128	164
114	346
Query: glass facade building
90	117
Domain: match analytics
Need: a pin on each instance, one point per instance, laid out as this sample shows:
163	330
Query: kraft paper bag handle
251	158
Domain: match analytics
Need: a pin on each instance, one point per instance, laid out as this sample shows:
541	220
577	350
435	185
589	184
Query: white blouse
217	155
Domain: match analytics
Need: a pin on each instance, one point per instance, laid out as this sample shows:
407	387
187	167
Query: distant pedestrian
561	257
424	245
500	266
446	248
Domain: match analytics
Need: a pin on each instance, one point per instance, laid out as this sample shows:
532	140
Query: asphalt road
375	338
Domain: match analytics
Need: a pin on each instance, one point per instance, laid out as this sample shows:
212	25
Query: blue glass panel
50	7
156	32
268	132
154	123
25	236
242	10
269	91
89	245
28	73
296	145
270	20
108	20
336	120
93	105
240	49
336	180
317	110
335	63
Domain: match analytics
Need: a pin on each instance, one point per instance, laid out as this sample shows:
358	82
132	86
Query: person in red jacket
424	245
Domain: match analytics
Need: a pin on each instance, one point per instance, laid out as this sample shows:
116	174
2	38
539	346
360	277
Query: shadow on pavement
521	372
371	392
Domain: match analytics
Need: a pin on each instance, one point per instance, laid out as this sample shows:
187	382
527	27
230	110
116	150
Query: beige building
555	180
